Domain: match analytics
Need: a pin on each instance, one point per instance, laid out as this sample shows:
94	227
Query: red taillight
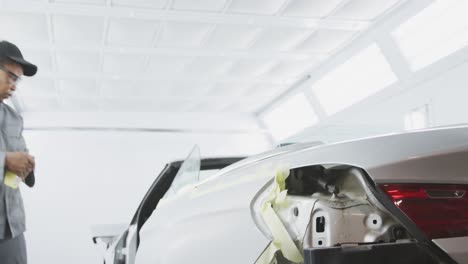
440	211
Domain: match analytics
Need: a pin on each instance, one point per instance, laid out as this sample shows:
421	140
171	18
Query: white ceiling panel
78	30
200	5
42	59
182	89
124	63
142	105
246	106
25	1
79	105
82	2
266	91
24	28
208	66
181	34
37	87
229	89
364	9
251	67
157	4
210	106
132	32
326	40
124	105
133	89
161	65
261	7
120	88
232	37
41	104
280	39
178	105
78	62
292	68
78	88
309	8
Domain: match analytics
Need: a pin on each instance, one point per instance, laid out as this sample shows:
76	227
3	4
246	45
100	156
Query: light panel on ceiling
133	89
142	105
208	66
78	62
209	106
292	68
79	105
78	30
280	39
82	2
229	89
156	4
251	67
124	63
132	32
164	65
78	88
24	28
179	34
179	105
200	5
232	37
37	87
261	7
434	33
41	104
326	40
308	8
181	89
364	9
363	75
246	106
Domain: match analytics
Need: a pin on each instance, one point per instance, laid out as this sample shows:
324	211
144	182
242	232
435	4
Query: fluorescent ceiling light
290	117
362	75
434	33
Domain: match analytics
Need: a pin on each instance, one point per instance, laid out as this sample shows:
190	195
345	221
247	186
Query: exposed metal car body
394	198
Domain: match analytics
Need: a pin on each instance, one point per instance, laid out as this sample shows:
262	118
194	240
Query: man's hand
20	163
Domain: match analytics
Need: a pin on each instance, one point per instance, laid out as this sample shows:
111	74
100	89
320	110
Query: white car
398	198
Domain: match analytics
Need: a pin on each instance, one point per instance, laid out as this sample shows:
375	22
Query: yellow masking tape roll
11	180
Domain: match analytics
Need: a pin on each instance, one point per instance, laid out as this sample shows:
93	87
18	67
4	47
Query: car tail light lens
440	211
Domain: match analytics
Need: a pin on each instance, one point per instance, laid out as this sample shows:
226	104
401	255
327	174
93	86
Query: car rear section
397	199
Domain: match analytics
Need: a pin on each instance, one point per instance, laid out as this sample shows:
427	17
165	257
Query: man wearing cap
16	164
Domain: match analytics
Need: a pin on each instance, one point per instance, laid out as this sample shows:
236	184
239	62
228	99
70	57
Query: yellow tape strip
281	238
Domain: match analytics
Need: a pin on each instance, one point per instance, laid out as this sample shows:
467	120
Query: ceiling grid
234	55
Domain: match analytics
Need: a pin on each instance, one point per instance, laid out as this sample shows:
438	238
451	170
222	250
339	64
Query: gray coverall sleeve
2	165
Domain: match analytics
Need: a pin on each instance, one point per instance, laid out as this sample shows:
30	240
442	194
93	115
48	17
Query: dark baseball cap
12	52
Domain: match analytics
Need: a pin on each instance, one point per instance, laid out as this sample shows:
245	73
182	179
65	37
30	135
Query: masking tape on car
281	239
268	255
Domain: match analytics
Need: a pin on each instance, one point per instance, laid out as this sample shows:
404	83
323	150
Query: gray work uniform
12	217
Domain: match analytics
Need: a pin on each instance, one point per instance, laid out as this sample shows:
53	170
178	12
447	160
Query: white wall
92	177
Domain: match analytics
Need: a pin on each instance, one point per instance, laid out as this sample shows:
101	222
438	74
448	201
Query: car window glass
188	173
